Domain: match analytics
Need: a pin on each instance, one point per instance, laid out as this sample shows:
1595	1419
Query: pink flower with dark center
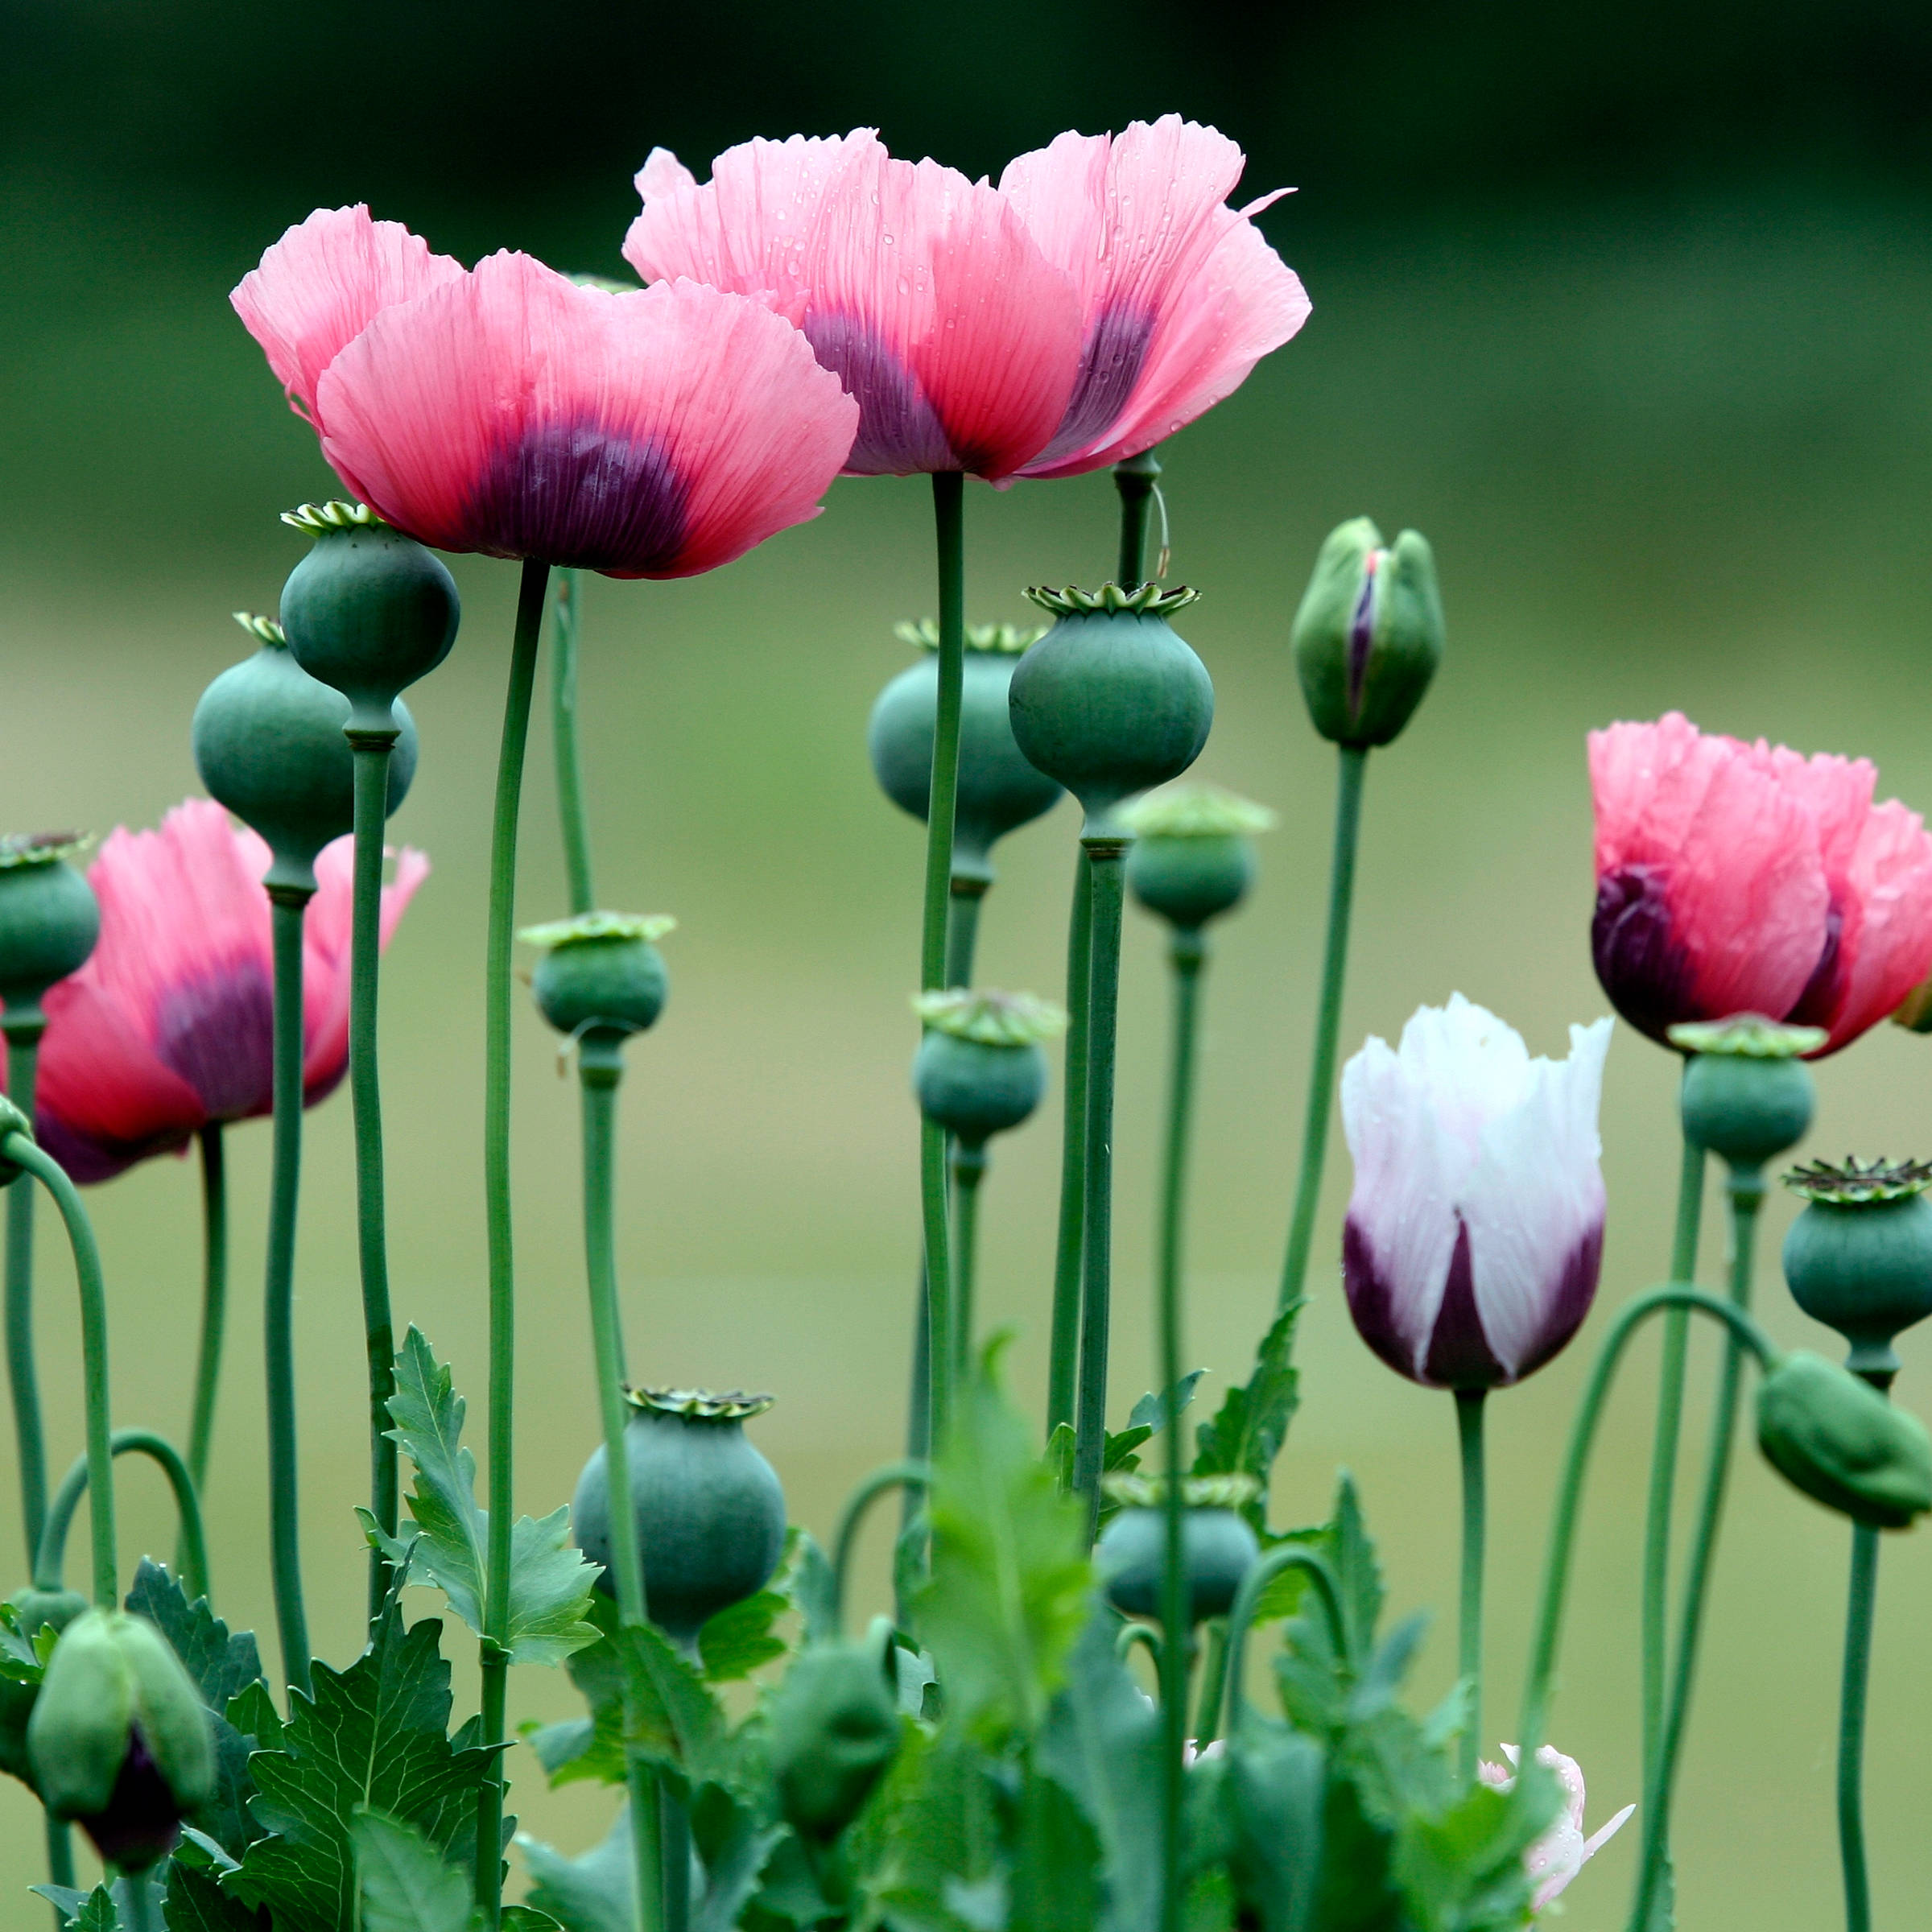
1562	1850
507	410
1735	878
170	1024
1475	1230
1100	298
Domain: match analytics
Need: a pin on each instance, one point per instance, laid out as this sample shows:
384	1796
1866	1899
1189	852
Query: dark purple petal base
1645	972
576	496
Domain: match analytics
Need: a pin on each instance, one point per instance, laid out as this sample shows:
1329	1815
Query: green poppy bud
1746	1095
1368	635
368	611
1111	701
120	1739
835	1728
1193	855
979	1070
999	791
268	744
1859	1258
33	1608
601	977
1837	1439
1217	1545
48	920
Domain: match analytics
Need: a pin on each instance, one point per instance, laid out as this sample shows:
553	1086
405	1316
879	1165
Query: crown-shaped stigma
1748	1036
1854	1184
727	1406
996	640
321	520
18	848
1232	1490
1149	600
1196	811
991	1017
264	630
649	926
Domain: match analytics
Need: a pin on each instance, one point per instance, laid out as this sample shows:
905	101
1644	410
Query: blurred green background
1624	306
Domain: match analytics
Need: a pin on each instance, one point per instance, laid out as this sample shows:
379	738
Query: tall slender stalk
963	930
1187	953
140	1903
23	1028
968	1171
214	1301
494	1651
50	1560
1063	1370
372	750
1663	1452
1859	1610
564	737
1106	872
1351	771
288	907
1469	1409
1134	477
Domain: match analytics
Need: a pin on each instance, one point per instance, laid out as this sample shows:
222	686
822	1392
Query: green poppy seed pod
980	1070
601	977
835	1728
119	1738
1217	1545
1746	1095
1111	702
1193	853
368	611
1837	1439
268	744
48	920
1368	635
1859	1258
708	1513
999	791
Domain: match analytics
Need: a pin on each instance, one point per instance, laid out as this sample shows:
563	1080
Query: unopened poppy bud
1217	1545
1193	855
119	1738
1368	635
48	920
835	1728
1837	1438
601	973
1859	1258
979	1070
1746	1095
999	791
368	611
1111	701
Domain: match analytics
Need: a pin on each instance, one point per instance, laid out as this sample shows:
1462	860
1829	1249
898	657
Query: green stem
1131	1636
913	1476
1353	770
1261	1574
938	1281
963	930
59	1860
372	752
1569	1495
1134	477
1106	873
140	1903
1214	1681
1663	1453
1187	953
1062	1383
495	1646
918	1407
288	905
50	1560
17	1148
968	1171
1851	1726
564	735
23	1026
214	1300
1469	1404
674	1826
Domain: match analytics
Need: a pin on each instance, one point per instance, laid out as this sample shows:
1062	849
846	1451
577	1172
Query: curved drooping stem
1062	1372
1261	1572
288	907
1663	1449
50	1560
1351	770
17	1148
1469	1408
372	750
574	822
1106	873
24	1025
494	1647
214	1300
914	1477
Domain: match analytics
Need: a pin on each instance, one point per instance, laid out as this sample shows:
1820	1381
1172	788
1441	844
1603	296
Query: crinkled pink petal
322	284
921	289
1885	941
655	433
1180	295
663	174
326	935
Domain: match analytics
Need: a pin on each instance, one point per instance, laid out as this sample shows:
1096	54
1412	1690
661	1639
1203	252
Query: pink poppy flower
169	1025
1097	300
509	410
1562	1850
1747	879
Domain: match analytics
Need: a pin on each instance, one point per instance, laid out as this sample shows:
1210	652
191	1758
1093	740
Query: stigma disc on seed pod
980	1070
1859	1257
601	972
1746	1095
1193	855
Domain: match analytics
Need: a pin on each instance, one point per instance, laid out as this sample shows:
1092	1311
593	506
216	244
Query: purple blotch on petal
1646	973
1459	1355
1817	1004
1110	365
218	1033
1361	632
1567	1302
1371	1302
87	1160
900	432
572	495
143	1821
